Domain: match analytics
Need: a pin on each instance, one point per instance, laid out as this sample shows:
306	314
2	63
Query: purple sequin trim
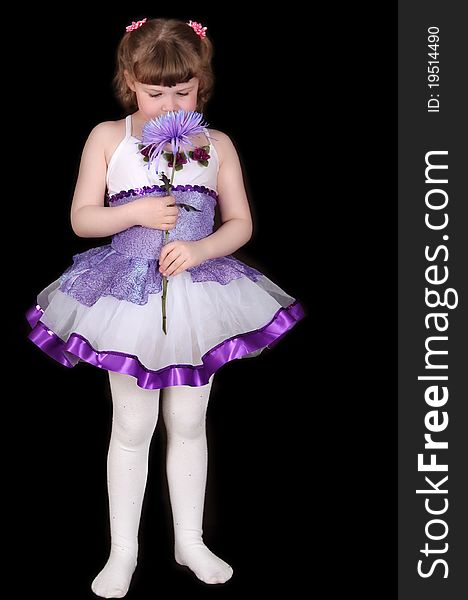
77	347
149	189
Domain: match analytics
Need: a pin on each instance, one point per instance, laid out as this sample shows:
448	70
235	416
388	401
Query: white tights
135	415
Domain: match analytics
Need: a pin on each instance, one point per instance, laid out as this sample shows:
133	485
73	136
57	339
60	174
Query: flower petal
174	128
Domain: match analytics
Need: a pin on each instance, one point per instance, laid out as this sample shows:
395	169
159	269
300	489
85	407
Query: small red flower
145	150
181	159
200	155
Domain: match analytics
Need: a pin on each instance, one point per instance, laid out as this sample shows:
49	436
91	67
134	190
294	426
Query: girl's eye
178	93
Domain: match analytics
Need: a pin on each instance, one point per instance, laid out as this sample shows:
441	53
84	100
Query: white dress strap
208	137
212	150
118	150
128	126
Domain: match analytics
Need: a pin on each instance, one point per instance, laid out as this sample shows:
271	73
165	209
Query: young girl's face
156	100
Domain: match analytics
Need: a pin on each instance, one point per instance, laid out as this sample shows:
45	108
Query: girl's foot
206	566
114	580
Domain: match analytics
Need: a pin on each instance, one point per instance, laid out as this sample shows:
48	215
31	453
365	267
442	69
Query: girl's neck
137	125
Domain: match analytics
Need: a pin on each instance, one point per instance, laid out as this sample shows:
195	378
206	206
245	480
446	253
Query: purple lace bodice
144	242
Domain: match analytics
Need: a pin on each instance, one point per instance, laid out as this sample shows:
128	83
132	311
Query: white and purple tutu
106	308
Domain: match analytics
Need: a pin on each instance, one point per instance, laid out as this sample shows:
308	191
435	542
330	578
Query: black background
300	490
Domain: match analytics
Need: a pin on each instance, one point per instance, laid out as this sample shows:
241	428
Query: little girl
105	309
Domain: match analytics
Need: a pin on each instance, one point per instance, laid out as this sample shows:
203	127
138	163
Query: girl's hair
163	52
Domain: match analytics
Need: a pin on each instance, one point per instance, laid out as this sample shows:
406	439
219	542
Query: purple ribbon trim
77	347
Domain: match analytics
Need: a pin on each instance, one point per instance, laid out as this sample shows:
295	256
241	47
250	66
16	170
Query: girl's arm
236	229
89	216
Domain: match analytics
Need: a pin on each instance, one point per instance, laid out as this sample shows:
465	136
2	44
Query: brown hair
163	52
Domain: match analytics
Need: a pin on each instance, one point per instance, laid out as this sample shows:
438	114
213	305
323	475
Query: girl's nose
169	106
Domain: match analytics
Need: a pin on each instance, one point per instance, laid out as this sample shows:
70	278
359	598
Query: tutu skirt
106	310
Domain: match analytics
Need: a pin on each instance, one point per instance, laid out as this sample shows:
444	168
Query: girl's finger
166	249
175	265
180	268
167	262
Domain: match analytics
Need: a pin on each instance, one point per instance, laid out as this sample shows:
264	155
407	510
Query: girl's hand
156	212
179	255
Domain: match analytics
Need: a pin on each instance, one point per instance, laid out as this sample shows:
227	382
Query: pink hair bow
198	28
135	25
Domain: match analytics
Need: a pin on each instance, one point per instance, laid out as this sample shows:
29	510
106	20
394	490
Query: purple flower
174	128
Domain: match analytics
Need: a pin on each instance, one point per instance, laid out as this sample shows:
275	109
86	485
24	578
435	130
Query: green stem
166	236
173	171
164	294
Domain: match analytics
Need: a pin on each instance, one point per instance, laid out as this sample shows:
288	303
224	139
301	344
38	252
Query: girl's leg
184	411
135	414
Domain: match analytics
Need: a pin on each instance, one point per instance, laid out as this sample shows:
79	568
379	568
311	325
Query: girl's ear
129	80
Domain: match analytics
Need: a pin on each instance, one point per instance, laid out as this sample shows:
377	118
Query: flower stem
166	235
173	171
164	294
